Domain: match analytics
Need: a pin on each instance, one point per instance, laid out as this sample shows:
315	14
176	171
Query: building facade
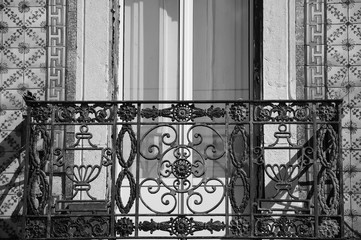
91	50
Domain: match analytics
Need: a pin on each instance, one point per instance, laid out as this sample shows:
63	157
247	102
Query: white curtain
152	50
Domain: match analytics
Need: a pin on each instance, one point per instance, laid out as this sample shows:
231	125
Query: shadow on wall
12	182
304	182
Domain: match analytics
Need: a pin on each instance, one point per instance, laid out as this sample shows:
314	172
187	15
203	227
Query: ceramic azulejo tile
336	34
356	116
354	33
11	78
355	75
35	37
13	17
336	13
12	99
315	34
356	186
35	77
12	141
11	37
346	139
337	93
9	204
337	55
35	16
355	13
355	55
355	97
356	139
315	12
337	76
315	76
57	2
346	119
11	183
355	202
15	162
355	158
9	162
315	55
10	119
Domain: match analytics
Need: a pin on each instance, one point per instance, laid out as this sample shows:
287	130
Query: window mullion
186	50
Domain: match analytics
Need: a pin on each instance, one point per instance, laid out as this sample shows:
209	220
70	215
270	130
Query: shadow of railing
12	162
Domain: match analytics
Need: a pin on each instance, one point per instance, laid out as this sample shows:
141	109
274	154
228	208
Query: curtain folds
155	46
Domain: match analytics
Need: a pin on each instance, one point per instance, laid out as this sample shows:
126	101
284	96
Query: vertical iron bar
315	167
228	167
113	168
340	165
137	190
50	199
251	170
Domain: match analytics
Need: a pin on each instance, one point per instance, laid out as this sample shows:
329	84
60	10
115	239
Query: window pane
151	49
220	50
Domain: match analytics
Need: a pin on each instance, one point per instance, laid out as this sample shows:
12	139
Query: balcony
183	170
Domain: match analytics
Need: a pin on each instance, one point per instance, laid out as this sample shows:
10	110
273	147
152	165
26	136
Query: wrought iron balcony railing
213	170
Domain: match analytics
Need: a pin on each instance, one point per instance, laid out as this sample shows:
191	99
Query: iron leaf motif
181	226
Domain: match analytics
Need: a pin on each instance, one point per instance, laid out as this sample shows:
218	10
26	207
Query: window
186	50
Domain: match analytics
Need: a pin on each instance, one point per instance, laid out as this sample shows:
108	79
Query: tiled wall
33	57
328	34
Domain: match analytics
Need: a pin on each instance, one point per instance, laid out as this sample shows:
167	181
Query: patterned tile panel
333	42
32	57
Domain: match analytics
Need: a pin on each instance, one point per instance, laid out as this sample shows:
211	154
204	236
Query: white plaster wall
279	63
279	68
93	78
93	48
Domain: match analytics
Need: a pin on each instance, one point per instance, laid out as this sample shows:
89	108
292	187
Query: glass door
182	50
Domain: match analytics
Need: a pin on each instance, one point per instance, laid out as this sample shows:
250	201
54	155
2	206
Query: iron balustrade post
228	166
50	195
340	168
253	188
315	167
137	178
113	170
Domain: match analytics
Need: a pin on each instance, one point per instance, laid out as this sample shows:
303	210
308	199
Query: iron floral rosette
238	112
124	227
327	112
329	228
127	112
240	227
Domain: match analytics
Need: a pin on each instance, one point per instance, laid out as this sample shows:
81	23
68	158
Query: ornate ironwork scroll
126	164
181	226
80	227
183	170
284	227
39	154
82	175
328	154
